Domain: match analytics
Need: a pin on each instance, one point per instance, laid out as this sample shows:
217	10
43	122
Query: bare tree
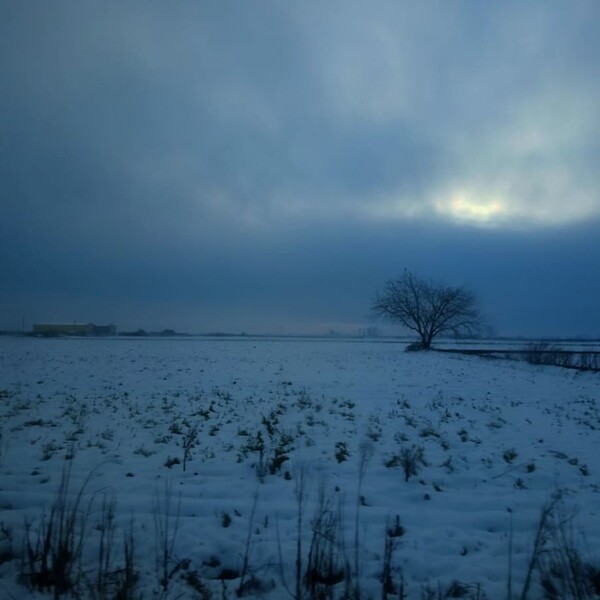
427	308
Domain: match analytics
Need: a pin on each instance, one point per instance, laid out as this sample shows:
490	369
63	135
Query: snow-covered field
277	429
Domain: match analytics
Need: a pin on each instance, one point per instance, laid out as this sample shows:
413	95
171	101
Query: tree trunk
426	341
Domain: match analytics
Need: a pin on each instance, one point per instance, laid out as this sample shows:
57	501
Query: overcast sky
265	166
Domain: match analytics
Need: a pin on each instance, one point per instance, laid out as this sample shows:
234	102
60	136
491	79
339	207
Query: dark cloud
232	166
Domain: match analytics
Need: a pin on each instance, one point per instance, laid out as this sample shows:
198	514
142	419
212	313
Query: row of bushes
542	353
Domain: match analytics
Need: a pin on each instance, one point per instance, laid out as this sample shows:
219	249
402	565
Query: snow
499	439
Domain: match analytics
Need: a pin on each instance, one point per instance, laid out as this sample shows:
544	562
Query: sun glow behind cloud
464	207
516	208
461	206
549	201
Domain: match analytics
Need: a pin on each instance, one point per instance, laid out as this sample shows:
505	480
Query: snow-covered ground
493	441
